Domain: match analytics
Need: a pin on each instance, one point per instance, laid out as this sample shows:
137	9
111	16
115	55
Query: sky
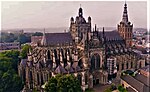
54	14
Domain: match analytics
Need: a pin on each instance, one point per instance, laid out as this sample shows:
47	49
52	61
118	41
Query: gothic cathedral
93	56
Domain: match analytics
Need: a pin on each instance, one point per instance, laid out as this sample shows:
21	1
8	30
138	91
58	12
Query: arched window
50	75
127	65
97	57
95	62
48	54
55	53
31	80
131	64
79	78
122	66
140	65
24	75
92	63
38	81
86	79
80	63
42	81
117	67
31	77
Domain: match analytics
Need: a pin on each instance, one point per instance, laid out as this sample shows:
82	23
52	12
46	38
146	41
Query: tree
37	34
22	38
9	80
24	51
63	83
121	88
52	85
11	56
108	90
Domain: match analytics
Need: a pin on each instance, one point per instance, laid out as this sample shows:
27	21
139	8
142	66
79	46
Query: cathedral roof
58	38
60	69
23	62
111	35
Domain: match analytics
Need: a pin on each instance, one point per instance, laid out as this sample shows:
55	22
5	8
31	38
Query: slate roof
143	79
133	82
23	62
58	38
60	69
111	35
146	68
138	85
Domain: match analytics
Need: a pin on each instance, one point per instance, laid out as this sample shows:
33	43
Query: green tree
9	80
63	83
24	51
108	90
11	56
121	88
37	34
52	85
22	38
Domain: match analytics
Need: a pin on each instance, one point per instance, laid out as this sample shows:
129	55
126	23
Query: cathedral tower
80	28
125	28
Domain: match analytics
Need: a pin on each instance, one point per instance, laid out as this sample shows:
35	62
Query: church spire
80	11
43	41
125	14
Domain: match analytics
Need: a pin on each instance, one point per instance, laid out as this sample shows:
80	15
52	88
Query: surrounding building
138	83
35	40
145	71
9	46
92	56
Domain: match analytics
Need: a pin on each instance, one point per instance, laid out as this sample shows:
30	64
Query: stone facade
81	52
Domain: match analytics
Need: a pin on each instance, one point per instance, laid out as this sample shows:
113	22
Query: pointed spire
43	41
30	51
95	27
80	11
125	14
103	32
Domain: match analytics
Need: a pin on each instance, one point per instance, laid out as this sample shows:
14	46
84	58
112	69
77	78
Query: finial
80	5
44	30
103	31
125	15
95	27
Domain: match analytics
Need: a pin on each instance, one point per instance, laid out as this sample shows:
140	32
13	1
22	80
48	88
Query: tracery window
95	62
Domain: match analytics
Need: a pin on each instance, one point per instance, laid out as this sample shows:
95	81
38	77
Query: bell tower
125	28
80	28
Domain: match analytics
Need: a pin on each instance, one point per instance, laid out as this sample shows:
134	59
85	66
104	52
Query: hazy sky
45	14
